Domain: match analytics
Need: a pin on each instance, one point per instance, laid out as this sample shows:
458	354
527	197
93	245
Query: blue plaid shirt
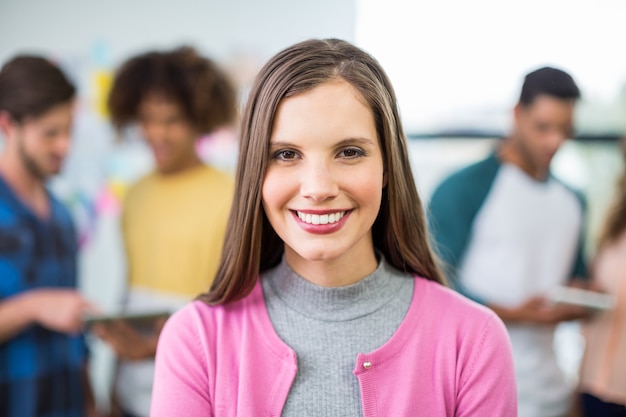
41	371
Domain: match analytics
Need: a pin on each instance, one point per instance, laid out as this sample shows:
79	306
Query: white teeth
321	219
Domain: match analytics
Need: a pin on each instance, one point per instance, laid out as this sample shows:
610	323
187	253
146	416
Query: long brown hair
615	223
251	245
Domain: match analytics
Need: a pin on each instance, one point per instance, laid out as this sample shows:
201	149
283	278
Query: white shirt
523	243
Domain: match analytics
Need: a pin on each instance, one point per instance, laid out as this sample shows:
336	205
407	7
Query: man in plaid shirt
42	353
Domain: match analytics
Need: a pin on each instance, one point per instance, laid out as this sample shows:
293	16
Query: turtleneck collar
336	303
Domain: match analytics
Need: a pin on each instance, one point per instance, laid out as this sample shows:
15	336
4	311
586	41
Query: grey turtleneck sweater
328	327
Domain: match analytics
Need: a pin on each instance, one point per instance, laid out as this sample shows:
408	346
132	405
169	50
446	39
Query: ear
7	125
517	112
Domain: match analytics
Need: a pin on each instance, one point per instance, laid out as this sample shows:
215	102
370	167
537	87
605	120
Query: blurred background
457	67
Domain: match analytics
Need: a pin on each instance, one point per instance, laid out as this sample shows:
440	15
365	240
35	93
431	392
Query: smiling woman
331	164
328	300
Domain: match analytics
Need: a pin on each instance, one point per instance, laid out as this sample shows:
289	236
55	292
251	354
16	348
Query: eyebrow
343	142
357	140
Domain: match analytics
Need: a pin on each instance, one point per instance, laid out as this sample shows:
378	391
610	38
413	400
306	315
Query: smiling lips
320	218
321	223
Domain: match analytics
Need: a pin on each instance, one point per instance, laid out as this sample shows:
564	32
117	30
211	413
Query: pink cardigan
449	357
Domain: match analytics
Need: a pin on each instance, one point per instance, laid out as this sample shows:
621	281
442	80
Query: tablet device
583	298
139	320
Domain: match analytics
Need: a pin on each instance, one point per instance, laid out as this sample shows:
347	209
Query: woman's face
169	134
323	186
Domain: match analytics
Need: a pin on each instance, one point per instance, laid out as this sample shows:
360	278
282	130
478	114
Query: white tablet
584	298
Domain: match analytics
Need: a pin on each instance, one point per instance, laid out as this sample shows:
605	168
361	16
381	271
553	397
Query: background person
603	370
173	219
42	353
509	232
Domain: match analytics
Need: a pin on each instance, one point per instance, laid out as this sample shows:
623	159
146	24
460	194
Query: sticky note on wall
102	80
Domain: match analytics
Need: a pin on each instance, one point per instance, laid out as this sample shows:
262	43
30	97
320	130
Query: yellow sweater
174	229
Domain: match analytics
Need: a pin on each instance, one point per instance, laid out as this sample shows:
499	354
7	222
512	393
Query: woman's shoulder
448	306
471	329
199	316
212	331
188	321
195	310
198	312
142	192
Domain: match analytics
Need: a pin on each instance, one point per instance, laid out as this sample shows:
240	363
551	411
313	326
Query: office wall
219	28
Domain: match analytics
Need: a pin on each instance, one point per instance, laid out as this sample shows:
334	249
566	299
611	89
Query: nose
555	139
318	181
154	132
62	144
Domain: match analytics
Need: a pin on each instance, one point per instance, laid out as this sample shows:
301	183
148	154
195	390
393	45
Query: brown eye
285	155
351	153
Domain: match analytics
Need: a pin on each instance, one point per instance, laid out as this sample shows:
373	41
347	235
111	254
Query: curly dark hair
204	93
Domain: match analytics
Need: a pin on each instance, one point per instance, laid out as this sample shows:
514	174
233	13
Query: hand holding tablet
138	320
580	297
